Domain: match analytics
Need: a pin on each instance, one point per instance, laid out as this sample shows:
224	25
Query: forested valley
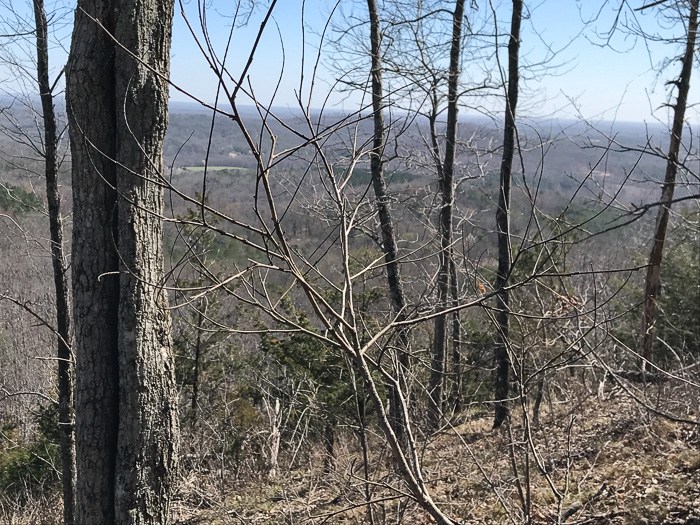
424	301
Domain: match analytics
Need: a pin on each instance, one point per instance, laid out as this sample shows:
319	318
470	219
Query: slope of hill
593	461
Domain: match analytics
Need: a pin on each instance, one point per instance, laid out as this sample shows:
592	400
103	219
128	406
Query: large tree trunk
503	221
126	414
653	276
146	452
91	112
446	182
389	245
60	269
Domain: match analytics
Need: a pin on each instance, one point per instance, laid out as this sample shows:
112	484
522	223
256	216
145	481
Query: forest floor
597	462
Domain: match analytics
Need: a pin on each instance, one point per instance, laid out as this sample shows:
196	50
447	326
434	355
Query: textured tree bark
653	277
146	451
90	105
126	414
60	269
503	221
446	183
393	271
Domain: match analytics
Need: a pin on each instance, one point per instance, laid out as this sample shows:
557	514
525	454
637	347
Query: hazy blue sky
599	81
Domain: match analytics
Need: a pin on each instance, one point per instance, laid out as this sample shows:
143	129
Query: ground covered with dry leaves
594	462
589	461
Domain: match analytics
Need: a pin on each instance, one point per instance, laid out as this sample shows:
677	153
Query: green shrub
14	199
28	466
679	299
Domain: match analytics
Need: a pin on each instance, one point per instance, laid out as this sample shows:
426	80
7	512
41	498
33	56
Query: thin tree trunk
60	270
412	477
389	245
126	411
503	221
456	340
274	416
446	182
437	361
539	393
329	445
653	277
201	313
362	434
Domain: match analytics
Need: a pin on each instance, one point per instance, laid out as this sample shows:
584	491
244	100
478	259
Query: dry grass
610	462
45	509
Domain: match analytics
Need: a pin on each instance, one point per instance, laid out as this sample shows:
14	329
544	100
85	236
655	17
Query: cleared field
213	168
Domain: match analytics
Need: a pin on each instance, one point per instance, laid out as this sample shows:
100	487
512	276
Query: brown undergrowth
592	461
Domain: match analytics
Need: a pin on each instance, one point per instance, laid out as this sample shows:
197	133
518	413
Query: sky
583	78
614	81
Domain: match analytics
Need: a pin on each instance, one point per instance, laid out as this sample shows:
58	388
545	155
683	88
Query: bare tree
328	292
503	219
126	413
45	143
60	266
386	222
428	49
445	221
653	276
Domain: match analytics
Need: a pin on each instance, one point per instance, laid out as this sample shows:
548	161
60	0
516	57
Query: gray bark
126	413
90	105
653	277
60	268
503	221
393	271
146	451
446	183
